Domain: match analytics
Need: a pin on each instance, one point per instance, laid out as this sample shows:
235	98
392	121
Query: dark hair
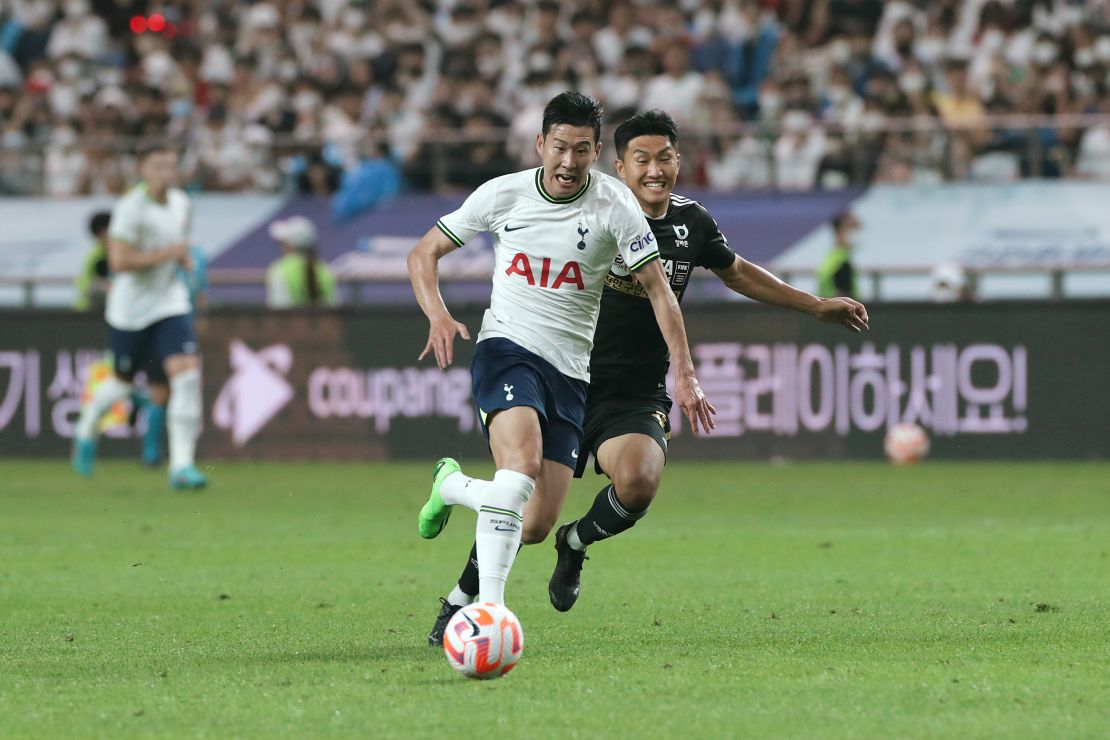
840	219
311	283
98	224
573	109
649	123
155	147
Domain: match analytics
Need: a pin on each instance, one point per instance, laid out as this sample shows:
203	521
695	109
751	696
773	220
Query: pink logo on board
255	392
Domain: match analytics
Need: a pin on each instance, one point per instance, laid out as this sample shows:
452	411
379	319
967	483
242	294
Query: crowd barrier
986	381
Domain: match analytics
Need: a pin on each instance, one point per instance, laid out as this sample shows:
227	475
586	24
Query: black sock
468	581
607	517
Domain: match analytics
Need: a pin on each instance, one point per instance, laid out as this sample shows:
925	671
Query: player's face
567	152
650	167
159	171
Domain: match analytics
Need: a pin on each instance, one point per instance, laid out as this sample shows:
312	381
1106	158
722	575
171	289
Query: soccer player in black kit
627	407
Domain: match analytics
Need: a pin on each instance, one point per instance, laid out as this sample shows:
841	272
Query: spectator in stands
298	278
621	33
678	88
65	168
316	175
836	275
960	108
318	74
92	282
798	152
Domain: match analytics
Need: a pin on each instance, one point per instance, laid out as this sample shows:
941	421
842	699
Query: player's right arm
123	236
450	233
423	264
124	257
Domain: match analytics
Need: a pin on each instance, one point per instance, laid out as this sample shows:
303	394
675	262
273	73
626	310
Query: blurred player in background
92	282
194	274
557	230
149	316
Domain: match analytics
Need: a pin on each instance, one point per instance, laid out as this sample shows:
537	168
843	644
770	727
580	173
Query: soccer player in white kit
557	231
149	316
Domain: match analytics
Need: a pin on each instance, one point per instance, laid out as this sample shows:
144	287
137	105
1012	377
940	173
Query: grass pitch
809	600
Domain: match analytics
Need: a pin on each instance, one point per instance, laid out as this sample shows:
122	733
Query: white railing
873	281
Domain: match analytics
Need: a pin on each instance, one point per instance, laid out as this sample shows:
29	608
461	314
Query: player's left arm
688	393
758	284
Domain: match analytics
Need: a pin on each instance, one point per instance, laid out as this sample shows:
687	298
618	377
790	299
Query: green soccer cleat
434	514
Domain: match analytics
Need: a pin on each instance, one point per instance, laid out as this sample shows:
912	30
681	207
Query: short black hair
842	219
573	109
649	123
98	224
156	146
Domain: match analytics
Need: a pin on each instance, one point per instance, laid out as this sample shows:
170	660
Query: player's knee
536	530
524	463
159	393
636	486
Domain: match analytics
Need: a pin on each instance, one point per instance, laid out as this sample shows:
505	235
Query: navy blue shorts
146	350
504	375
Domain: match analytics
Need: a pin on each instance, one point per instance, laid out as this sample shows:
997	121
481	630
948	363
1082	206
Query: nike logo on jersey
574	454
516	228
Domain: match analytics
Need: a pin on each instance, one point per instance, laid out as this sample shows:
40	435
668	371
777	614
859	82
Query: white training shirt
551	257
139	298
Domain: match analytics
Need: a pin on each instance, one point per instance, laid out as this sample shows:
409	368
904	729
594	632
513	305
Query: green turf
826	600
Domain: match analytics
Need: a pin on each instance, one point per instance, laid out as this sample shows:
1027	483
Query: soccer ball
483	640
906	443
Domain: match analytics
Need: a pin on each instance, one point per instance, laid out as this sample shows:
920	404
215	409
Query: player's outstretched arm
124	257
690	398
760	285
423	266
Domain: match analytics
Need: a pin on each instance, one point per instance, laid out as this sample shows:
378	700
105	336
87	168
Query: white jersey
139	298
551	257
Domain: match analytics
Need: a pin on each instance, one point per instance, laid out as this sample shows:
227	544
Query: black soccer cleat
435	637
563	587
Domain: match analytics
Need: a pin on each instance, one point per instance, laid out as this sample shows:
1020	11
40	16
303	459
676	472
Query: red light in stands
138	24
156	23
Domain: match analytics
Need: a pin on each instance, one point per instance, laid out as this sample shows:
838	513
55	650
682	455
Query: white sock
458	597
497	535
462	489
572	538
106	395
183	415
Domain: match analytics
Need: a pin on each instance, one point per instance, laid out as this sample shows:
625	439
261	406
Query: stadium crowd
305	95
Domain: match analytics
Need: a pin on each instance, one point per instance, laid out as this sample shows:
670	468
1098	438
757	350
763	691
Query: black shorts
613	409
147	349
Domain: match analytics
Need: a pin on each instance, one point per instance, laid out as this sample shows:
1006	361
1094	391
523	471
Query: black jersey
627	336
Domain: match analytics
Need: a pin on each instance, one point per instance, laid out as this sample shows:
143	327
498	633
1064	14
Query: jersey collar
146	192
570	198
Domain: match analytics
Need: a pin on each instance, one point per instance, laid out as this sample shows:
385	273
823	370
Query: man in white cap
298	278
